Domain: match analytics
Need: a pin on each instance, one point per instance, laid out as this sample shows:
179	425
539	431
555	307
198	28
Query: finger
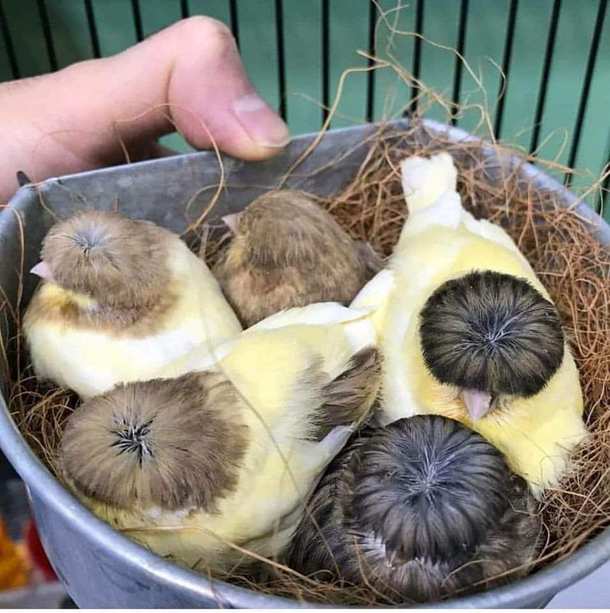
189	76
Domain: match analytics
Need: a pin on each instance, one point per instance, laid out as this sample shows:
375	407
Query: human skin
187	77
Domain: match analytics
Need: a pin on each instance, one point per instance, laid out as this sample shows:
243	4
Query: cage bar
184	9
459	63
8	43
95	41
548	29
546	71
325	59
370	77
419	29
137	19
584	97
48	37
508	52
281	61
233	20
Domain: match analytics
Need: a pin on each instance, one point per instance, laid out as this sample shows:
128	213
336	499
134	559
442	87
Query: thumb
188	76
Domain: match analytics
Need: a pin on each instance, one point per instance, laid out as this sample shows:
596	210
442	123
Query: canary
418	511
287	252
207	464
469	331
119	299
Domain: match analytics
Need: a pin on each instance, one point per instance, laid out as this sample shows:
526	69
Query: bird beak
43	271
232	221
477	403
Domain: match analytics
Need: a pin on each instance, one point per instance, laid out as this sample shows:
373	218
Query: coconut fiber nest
569	261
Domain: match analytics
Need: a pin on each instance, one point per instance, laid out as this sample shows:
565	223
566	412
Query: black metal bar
546	71
419	27
325	59
184	9
95	40
46	30
508	52
370	77
459	63
281	68
137	19
584	96
8	43
233	19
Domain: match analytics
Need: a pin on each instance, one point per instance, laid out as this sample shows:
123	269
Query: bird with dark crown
493	336
468	331
417	511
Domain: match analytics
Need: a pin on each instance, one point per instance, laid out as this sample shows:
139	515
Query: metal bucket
99	567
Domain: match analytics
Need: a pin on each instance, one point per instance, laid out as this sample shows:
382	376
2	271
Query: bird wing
262	516
202	299
538	434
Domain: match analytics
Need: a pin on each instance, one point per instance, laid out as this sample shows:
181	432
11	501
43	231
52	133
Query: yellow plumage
281	369
442	241
91	360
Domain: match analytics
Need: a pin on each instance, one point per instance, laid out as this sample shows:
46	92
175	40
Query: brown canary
287	252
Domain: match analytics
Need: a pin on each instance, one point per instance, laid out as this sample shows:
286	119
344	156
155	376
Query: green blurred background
348	31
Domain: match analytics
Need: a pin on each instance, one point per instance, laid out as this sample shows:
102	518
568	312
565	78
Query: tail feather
348	398
425	180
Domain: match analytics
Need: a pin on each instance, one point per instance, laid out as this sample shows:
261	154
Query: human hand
187	77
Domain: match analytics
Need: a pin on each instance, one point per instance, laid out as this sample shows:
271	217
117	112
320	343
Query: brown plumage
286	252
166	443
356	388
120	263
419	510
119	300
228	452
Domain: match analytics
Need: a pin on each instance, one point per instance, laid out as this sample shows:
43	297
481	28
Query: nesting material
573	266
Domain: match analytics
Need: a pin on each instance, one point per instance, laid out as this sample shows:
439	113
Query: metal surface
100	567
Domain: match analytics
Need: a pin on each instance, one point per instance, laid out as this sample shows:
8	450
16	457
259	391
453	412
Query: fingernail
261	123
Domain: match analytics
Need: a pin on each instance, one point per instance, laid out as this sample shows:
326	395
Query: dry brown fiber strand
574	267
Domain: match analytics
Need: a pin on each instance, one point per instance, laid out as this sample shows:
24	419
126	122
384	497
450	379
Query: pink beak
477	403
232	221
43	271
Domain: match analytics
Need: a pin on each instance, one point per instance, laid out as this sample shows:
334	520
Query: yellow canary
120	298
469	332
204	465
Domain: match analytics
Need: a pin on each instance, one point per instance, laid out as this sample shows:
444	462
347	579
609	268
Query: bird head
107	258
429	488
435	508
164	444
491	335
282	228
